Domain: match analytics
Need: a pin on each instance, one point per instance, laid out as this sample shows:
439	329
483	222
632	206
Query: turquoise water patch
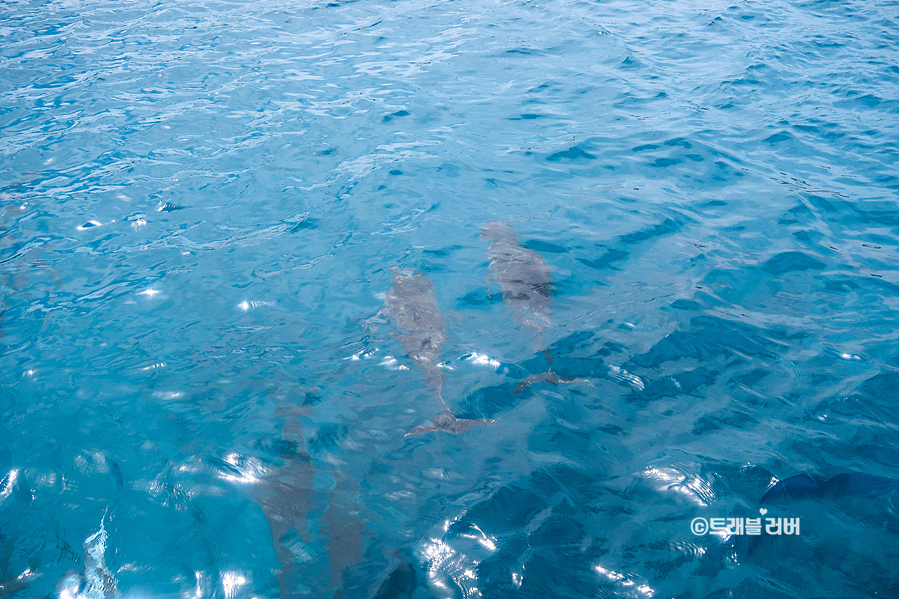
207	378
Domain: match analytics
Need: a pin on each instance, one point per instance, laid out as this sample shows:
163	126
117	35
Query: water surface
201	206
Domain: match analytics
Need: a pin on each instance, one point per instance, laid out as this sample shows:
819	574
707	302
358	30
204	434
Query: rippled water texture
202	203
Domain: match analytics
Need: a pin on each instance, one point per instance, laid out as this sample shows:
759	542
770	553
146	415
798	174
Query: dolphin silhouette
285	496
411	306
841	485
526	283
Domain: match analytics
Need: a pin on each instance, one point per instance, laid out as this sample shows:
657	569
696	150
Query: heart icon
763	511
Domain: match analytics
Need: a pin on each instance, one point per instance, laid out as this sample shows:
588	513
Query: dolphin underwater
526	283
840	485
411	306
285	496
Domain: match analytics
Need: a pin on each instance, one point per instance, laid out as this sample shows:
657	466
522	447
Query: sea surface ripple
201	204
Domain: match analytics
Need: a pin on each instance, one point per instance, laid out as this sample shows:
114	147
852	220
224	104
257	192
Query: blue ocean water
202	204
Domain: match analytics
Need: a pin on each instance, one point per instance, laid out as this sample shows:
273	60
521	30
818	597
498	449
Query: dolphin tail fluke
546	377
448	423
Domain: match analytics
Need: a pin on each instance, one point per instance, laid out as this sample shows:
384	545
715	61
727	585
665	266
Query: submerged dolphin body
524	278
411	306
526	283
841	485
284	492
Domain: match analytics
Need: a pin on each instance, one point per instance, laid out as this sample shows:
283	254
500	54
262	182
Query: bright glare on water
640	256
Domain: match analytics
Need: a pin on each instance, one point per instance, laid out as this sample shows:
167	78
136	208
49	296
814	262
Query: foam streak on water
200	206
